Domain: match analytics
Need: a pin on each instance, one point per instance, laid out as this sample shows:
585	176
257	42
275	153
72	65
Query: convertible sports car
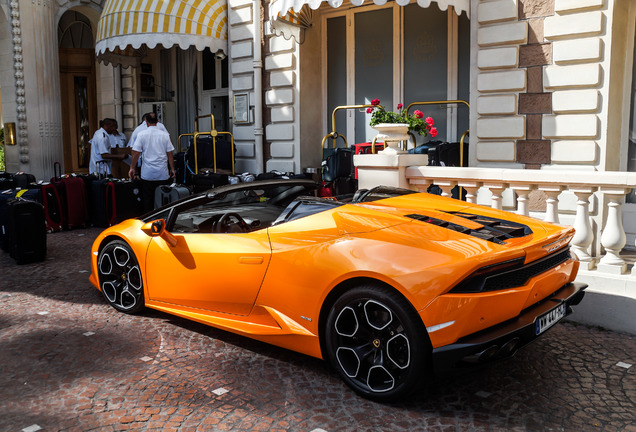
386	286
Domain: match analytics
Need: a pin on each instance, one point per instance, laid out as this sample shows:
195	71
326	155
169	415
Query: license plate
549	319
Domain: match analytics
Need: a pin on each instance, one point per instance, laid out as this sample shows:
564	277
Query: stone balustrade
604	229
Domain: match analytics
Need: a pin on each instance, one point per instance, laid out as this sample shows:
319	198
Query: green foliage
416	121
1	149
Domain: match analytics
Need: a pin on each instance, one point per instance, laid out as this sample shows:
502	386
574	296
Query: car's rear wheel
120	277
377	342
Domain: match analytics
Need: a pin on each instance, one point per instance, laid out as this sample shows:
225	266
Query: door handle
251	260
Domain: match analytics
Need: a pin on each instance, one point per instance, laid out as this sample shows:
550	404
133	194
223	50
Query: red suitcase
76	206
72	192
365	148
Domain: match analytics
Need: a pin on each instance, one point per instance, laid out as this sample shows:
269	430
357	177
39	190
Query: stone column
38	105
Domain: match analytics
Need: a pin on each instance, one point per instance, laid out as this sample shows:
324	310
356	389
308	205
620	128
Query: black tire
377	343
120	277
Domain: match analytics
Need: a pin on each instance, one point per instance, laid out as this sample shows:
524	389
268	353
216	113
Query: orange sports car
386	286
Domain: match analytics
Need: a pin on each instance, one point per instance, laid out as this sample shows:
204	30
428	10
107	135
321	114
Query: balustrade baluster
583	237
552	202
470	190
613	238
446	186
522	191
497	190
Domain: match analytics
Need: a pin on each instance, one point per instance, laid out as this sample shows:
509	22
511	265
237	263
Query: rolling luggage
205	154
50	199
103	202
23	180
26	231
76	206
336	162
6	181
343	186
73	197
128	200
166	194
365	148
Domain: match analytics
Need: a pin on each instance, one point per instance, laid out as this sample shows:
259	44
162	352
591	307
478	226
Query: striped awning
280	8
132	23
293	24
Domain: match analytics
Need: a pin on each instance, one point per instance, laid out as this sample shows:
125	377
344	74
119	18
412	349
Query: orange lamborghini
386	286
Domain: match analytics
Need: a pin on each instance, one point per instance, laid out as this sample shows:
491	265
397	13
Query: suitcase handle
110	190
57	167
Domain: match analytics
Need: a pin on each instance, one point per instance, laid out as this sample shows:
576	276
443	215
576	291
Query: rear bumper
504	339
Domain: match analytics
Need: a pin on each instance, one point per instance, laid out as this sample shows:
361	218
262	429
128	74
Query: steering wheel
224	224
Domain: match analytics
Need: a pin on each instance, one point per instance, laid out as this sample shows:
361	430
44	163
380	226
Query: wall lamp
9	134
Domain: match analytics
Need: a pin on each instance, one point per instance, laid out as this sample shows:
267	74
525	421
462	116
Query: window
398	55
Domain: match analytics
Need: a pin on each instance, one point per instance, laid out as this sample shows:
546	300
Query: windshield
242	208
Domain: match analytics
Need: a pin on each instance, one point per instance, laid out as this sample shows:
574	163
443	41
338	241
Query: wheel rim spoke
377	315
380	379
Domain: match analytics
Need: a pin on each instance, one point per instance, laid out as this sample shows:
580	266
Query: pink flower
429	121
375	102
433	132
400	106
369	110
418	114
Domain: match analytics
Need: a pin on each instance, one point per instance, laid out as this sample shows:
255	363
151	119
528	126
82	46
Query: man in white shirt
157	163
100	149
143	126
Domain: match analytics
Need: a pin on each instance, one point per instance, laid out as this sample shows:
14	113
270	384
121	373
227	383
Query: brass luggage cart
213	133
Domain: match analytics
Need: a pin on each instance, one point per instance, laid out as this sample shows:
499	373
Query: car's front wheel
120	277
377	342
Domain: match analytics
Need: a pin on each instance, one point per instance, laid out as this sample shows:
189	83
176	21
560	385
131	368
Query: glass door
374	69
397	55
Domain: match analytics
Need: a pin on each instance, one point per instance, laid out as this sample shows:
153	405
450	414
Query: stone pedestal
386	169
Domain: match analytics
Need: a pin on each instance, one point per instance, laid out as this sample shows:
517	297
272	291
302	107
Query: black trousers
148	192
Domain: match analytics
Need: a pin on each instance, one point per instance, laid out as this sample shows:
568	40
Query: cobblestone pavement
70	362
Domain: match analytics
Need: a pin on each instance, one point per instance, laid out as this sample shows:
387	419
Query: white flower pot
391	134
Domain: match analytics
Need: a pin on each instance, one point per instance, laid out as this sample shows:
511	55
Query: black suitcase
53	210
103	202
205	154
6	181
337	162
128	200
6	197
23	180
182	176
343	186
208	180
26	231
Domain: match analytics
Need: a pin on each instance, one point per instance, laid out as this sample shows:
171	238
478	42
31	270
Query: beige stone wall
543	83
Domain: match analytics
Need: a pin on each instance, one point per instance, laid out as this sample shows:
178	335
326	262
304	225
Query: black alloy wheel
377	342
120	277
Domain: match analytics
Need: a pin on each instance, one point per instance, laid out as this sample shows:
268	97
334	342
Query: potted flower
395	126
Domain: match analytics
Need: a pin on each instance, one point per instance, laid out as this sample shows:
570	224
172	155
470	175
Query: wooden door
79	107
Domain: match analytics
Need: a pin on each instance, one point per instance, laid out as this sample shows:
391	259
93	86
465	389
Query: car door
219	272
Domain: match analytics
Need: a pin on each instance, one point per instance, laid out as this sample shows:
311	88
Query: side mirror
157	228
